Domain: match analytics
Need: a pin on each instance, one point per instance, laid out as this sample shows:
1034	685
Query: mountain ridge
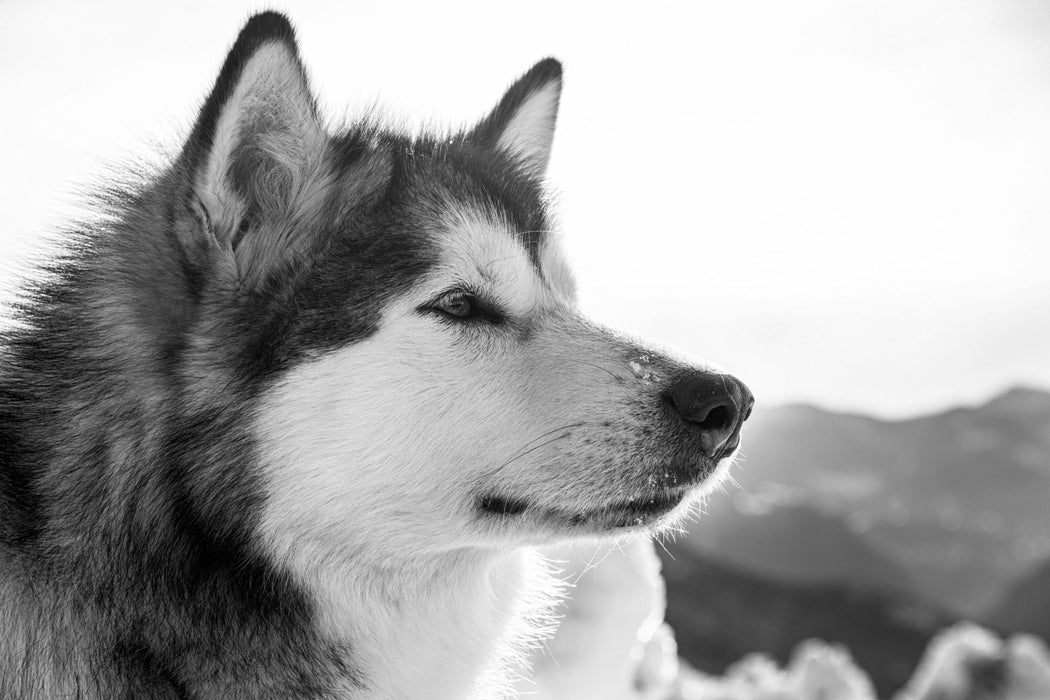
955	499
1012	394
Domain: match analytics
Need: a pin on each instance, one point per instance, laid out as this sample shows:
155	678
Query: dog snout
714	404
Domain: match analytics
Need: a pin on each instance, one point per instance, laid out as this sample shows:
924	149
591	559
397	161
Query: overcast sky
845	203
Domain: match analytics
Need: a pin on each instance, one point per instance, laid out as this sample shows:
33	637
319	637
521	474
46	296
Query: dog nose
716	404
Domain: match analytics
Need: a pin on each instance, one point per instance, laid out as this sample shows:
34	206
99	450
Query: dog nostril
705	401
715	405
719	418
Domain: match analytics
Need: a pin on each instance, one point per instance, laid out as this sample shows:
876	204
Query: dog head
424	380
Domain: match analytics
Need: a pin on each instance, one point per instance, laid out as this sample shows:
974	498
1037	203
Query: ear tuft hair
522	124
257	151
260	29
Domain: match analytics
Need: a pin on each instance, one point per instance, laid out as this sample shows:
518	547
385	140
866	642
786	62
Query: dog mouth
639	511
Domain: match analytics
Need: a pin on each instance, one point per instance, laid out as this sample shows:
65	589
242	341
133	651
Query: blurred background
844	203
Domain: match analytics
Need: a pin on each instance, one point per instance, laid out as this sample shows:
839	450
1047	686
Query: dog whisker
659	541
490	263
604	369
526	449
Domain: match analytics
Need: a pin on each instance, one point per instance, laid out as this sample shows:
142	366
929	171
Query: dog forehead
481	249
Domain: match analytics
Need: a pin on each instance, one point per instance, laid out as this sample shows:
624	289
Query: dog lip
502	506
631	512
667	487
682	475
729	448
646	505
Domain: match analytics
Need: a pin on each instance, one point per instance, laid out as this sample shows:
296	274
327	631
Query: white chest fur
456	625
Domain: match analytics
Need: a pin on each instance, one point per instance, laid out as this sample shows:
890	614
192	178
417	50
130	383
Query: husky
291	421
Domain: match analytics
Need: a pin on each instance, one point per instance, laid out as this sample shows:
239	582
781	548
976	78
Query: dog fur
291	421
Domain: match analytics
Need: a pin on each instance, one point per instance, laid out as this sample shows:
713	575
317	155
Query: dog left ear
522	124
257	144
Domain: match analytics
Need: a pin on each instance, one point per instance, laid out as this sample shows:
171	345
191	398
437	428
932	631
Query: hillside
952	506
1026	606
792	543
720	614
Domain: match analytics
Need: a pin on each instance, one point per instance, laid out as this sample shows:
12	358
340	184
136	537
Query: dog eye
457	304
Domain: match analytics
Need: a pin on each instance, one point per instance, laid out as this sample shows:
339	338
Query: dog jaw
399	620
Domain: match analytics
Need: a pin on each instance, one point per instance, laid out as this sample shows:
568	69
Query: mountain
720	614
952	506
793	543
984	457
1026	607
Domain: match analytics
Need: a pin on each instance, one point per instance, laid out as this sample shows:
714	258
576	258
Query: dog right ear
257	143
522	124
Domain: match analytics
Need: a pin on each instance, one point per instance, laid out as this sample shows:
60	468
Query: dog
291	420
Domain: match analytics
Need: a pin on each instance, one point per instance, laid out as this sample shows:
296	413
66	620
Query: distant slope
793	543
987	457
954	504
1026	607
719	614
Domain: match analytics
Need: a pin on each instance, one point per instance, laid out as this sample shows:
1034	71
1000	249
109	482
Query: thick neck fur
450	626
128	563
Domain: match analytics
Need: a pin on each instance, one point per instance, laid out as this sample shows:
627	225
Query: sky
843	202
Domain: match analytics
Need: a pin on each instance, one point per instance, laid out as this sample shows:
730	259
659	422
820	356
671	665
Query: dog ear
257	143
522	124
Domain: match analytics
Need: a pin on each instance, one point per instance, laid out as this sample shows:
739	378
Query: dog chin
648	511
651	510
634	513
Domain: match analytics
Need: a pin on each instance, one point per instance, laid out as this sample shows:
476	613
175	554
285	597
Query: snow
967	662
817	671
613	644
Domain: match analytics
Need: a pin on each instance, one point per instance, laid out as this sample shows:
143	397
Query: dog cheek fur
377	526
372	459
